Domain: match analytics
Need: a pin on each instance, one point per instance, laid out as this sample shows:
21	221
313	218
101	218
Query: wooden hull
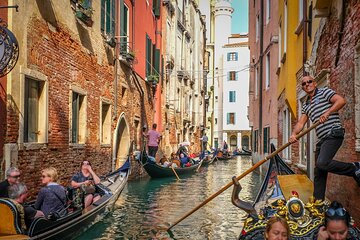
156	171
276	195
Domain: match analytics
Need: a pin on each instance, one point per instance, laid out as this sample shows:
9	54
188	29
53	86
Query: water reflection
148	206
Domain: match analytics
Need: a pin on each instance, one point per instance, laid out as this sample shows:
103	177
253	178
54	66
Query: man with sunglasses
337	223
12	177
323	104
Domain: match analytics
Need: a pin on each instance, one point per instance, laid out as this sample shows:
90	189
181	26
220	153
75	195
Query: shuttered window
230	118
232	96
31	110
266	138
78	118
148	55
108	17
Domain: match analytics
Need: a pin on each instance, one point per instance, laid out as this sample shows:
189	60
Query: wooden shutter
31	110
102	15
75	118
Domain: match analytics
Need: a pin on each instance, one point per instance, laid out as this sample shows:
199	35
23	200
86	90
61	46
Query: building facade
236	131
263	44
79	90
183	89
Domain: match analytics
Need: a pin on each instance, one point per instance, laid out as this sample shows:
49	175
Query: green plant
153	78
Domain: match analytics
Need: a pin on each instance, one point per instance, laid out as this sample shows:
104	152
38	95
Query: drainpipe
261	36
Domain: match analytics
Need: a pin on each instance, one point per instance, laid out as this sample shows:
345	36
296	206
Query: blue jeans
326	149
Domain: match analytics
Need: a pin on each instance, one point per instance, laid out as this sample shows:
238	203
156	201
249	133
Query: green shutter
107	16
112	31
148	55
75	118
102	16
156	8
157	61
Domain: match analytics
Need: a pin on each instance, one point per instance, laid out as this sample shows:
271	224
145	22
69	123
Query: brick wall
66	62
342	81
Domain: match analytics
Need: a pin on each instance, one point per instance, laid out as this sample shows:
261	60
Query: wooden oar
200	164
244	174
175	173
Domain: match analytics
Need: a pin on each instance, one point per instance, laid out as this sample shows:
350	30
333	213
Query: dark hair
344	217
82	163
154	125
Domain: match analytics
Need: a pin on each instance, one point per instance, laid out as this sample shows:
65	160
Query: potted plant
153	78
130	56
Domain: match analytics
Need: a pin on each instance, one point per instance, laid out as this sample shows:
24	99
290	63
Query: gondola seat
12	219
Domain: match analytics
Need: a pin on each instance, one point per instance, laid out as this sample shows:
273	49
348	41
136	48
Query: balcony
126	53
183	74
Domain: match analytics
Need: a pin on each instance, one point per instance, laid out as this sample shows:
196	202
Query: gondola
156	171
244	152
288	195
75	222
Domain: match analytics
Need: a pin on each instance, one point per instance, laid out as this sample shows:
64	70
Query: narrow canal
148	203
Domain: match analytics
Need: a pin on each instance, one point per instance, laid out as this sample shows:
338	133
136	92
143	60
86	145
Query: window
285	26
124	29
256	82
266	139
256	139
232	76
105	130
257	27
156	8
268	11
148	55
267	78
78	118
232	56
232	96
35	111
230	118
286	131
301	10
280	42
215	120
107	24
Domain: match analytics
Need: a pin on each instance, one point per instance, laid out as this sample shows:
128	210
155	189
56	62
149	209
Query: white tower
223	16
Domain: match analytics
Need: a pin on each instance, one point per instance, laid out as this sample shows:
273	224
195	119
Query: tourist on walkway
323	104
12	177
154	138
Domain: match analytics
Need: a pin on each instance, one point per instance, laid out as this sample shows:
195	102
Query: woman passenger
52	197
86	177
277	229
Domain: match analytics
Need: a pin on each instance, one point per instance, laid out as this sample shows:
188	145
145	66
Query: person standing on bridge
323	104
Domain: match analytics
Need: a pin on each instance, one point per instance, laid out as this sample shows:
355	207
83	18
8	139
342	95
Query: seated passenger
18	193
174	160
12	177
164	162
277	229
184	160
337	222
52	197
86	177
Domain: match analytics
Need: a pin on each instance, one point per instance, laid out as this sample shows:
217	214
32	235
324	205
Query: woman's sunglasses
307	82
340	212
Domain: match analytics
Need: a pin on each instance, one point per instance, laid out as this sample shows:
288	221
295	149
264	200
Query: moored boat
287	195
157	171
75	222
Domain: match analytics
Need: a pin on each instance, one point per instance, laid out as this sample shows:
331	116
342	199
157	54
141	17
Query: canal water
147	206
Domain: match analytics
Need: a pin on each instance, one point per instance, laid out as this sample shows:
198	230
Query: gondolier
323	105
154	138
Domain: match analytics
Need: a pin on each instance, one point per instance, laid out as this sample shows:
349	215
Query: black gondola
244	152
287	195
74	222
157	171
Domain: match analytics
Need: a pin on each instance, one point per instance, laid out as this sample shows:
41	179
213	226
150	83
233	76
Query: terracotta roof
240	44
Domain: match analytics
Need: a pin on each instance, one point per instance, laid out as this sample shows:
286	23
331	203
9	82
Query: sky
240	17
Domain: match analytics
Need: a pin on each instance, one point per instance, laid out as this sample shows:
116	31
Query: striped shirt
317	106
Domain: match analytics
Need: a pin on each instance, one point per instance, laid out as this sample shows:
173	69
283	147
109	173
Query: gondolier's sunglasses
340	212
307	82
